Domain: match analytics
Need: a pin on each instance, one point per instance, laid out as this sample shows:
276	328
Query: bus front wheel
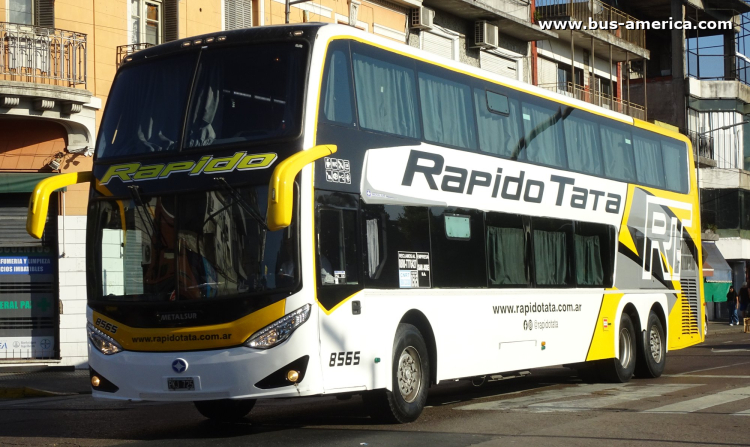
620	370
225	410
410	379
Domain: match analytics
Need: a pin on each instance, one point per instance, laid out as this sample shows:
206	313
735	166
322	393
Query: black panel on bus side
352	144
457	260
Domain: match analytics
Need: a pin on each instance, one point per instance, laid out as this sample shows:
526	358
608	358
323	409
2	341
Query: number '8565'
344	358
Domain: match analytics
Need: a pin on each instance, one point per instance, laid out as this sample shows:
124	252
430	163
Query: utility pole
288	5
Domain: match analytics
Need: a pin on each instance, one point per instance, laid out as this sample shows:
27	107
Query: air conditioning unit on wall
485	34
421	18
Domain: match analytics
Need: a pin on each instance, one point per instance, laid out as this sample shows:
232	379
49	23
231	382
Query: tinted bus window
386	92
233	84
617	148
582	143
337	93
146	107
457	247
553	241
447	117
594	253
542	128
507	251
499	133
648	161
675	164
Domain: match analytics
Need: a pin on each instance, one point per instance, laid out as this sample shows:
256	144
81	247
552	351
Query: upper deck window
145	108
247	93
240	94
386	93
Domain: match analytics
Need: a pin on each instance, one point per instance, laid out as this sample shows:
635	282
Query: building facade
58	59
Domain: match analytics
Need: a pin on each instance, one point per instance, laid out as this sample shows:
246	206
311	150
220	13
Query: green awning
22	181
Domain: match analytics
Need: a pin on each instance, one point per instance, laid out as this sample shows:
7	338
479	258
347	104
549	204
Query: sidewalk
723	327
16	385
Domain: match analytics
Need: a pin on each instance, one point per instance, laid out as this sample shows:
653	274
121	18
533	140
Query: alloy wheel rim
409	374
654	340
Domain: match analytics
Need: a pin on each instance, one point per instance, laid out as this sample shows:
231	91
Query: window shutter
44	13
238	14
171	20
442	46
547	72
497	64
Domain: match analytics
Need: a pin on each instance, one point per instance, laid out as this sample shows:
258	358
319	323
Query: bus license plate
181	384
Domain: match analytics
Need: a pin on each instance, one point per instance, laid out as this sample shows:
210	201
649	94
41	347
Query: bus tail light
101	341
279	330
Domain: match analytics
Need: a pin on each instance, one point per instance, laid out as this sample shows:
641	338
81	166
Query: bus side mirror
39	202
281	186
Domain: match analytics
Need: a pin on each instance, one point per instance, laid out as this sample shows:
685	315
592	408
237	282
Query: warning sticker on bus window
413	270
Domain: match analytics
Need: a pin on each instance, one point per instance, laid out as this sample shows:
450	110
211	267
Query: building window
146	21
238	14
439	42
21	11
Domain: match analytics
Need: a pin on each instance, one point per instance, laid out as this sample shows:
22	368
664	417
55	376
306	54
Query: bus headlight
279	330
101	341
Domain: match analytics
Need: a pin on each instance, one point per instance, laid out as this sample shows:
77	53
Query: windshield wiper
255	214
142	210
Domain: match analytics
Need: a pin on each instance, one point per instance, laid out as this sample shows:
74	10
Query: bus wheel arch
420	321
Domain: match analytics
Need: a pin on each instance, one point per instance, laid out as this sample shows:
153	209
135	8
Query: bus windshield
195	246
237	94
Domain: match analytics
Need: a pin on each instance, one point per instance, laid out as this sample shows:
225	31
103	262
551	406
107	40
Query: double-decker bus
310	209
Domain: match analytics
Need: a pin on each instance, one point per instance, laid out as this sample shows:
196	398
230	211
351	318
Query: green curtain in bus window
498	134
648	162
550	257
617	149
338	104
589	268
506	250
542	132
446	112
582	143
675	162
386	97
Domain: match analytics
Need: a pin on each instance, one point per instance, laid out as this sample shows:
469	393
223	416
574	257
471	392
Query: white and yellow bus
310	210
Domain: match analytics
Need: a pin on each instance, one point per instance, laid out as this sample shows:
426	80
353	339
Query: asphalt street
703	399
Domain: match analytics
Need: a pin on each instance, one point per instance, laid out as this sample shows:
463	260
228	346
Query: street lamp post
289	4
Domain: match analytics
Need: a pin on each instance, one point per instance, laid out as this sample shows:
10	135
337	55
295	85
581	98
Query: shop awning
11	182
715	267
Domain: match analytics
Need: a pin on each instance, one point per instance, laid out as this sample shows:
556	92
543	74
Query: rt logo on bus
180	366
665	235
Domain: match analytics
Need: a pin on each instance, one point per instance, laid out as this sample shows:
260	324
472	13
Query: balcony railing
595	10
124	51
718	67
703	145
598	98
42	55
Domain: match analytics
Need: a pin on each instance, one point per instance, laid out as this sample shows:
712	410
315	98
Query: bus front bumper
217	374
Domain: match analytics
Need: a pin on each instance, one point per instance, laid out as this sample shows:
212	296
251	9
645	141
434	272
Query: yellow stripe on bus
603	341
214	336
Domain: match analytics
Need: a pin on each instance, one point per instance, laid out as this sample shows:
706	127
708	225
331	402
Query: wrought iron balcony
124	51
595	10
42	55
598	98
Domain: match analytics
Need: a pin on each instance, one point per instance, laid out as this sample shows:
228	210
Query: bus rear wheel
651	349
225	410
410	379
620	370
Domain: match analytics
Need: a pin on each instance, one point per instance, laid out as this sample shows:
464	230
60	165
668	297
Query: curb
24	392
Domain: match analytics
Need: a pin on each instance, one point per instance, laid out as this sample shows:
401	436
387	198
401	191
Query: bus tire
620	370
225	410
651	349
410	379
